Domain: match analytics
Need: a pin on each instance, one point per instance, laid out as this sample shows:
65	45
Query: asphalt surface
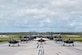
50	48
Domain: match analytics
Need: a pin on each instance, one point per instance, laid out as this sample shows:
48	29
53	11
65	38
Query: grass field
74	37
16	37
7	38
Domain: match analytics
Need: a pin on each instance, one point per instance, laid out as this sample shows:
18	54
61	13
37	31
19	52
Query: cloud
41	15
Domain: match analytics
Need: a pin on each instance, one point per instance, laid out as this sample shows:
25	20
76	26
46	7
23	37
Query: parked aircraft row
26	39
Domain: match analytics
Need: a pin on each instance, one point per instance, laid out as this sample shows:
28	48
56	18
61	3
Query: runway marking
50	48
41	49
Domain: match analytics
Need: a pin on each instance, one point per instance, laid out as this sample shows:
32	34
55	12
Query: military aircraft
41	40
69	41
49	37
24	39
32	38
12	41
58	39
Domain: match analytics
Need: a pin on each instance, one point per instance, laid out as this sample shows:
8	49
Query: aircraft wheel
18	45
63	44
9	44
73	44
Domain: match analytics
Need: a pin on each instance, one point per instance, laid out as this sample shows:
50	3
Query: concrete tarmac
50	48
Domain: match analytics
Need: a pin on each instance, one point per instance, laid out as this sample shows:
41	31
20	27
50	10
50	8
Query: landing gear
63	44
18	44
73	44
69	44
13	44
9	44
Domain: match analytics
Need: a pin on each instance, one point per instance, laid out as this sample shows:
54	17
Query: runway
50	48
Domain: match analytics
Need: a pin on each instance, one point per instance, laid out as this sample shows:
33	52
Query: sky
41	15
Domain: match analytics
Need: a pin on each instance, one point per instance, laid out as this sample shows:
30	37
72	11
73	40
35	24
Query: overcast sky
41	15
